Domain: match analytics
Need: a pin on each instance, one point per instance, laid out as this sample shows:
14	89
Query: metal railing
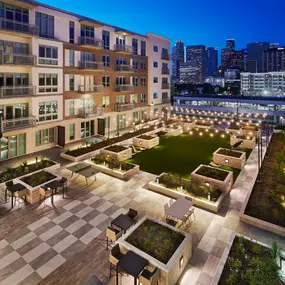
17	59
124	68
123	107
24	122
20	27
164	85
91	65
124	87
124	48
90	112
90	42
165	71
165	100
17	91
165	56
91	88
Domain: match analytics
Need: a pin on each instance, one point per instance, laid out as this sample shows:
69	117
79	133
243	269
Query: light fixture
207	184
226	161
181	261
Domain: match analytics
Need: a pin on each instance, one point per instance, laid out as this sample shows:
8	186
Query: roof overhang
122	32
91	23
22	3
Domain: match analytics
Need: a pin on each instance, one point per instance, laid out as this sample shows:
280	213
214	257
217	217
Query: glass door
9	50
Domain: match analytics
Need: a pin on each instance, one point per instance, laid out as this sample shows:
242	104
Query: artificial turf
182	154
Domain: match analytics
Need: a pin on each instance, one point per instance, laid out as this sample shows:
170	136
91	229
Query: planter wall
204	204
235	162
146	143
251	143
122	155
174	132
188	126
252	133
234	131
116	173
204	127
224	186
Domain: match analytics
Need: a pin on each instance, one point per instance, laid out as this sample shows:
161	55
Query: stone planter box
249	131
168	273
122	155
174	132
247	143
146	143
234	131
116	172
210	126
224	186
204	204
81	157
232	161
188	126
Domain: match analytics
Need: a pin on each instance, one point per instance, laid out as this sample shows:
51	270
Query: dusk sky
205	22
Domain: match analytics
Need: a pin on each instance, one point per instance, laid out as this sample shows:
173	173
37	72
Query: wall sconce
207	184
140	142
181	261
226	161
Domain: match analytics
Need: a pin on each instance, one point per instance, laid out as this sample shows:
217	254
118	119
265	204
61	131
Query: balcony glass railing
165	71
90	112
20	27
90	42
17	91
17	123
17	59
124	87
124	68
164	85
91	65
165	56
91	88
123	107
124	48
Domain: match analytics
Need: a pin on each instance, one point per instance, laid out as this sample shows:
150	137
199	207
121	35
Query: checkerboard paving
44	245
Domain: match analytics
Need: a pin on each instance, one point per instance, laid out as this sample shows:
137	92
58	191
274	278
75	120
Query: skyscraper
179	51
231	44
211	61
196	56
274	59
255	53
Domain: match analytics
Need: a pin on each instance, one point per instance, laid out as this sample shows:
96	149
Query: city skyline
212	31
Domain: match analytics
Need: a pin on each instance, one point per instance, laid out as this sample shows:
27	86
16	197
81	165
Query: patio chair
63	182
133	214
171	222
8	185
149	277
114	257
112	235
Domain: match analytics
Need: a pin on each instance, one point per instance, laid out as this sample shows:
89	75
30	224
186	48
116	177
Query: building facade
65	77
255	58
274	59
263	84
211	61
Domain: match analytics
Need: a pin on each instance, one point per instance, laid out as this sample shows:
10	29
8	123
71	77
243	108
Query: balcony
165	71
19	123
90	112
165	100
124	88
165	56
124	68
90	42
123	107
91	65
17	59
123	48
16	27
91	89
17	91
164	85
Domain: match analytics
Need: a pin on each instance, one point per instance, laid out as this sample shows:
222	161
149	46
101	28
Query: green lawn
182	154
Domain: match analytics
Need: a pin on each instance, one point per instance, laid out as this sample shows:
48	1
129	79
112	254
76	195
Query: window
14	13
155	79
45	136
134	98
45	24
71	32
164	95
164	80
143	64
155	64
105	101
87	56
106	39
135	63
120	80
155	95
120	60
121	99
106	60
135	116
164	65
71	82
143	116
15	79
87	129
71	107
48	111
135	80
13	47
155	48
164	51
71	57
87	31
143	98
121	121
48	55
106	81
48	83
143	48
143	81
71	132
135	46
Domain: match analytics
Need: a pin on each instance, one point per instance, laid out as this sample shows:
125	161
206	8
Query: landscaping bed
250	263
38	178
146	141
233	158
211	172
229	152
118	152
116	148
24	169
157	240
247	141
267	199
146	137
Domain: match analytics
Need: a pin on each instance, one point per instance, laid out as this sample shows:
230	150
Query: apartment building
65	77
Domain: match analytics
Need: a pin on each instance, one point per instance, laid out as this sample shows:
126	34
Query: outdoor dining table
179	208
13	189
132	264
53	185
84	169
123	222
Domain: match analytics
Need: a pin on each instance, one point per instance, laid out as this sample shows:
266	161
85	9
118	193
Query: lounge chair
133	214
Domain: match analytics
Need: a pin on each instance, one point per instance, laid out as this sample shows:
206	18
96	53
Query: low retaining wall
224	186
234	131
204	204
188	126
146	143
235	162
245	144
122	155
204	127
174	132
